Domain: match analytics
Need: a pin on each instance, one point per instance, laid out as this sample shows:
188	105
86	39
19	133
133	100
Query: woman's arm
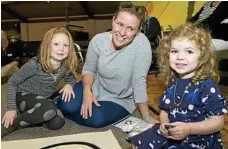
140	70
87	80
88	97
90	66
88	73
147	116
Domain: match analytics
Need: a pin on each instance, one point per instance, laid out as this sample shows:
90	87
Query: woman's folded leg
102	116
74	105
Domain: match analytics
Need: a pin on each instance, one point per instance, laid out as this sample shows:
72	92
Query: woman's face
124	28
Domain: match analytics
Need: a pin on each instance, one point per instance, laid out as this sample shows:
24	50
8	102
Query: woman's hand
88	100
163	130
8	118
180	130
67	91
152	119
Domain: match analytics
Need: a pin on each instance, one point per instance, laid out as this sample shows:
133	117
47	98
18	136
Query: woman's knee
105	115
97	120
73	105
66	107
55	123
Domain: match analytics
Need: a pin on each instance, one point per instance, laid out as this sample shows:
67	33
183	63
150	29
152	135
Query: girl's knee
56	123
50	111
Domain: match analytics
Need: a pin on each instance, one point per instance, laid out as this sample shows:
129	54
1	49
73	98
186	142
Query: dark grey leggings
35	109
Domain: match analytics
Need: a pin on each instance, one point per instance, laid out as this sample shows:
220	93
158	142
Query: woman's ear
138	32
113	18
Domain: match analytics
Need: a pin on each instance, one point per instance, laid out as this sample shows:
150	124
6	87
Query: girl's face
124	28
59	47
183	57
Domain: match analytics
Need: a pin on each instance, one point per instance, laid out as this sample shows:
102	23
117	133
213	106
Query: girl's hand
67	91
180	131
163	130
88	100
9	117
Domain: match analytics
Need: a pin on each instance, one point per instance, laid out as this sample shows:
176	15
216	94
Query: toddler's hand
163	130
180	131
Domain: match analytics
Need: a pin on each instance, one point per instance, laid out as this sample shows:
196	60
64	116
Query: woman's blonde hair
207	62
135	10
45	51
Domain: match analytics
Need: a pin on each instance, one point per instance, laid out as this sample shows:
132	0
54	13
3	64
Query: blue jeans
102	116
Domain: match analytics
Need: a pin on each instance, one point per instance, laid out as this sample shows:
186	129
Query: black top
13	52
213	22
152	30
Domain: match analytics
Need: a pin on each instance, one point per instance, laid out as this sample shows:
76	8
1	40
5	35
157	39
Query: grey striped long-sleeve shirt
31	78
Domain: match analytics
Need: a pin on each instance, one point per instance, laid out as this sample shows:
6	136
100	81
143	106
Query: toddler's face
183	57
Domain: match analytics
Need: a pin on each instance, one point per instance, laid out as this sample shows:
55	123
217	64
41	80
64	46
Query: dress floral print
186	101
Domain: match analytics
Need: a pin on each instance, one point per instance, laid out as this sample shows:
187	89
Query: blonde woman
114	74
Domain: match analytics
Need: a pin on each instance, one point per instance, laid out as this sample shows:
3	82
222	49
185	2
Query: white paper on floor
130	123
103	140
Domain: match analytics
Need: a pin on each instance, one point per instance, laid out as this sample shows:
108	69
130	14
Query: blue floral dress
186	101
